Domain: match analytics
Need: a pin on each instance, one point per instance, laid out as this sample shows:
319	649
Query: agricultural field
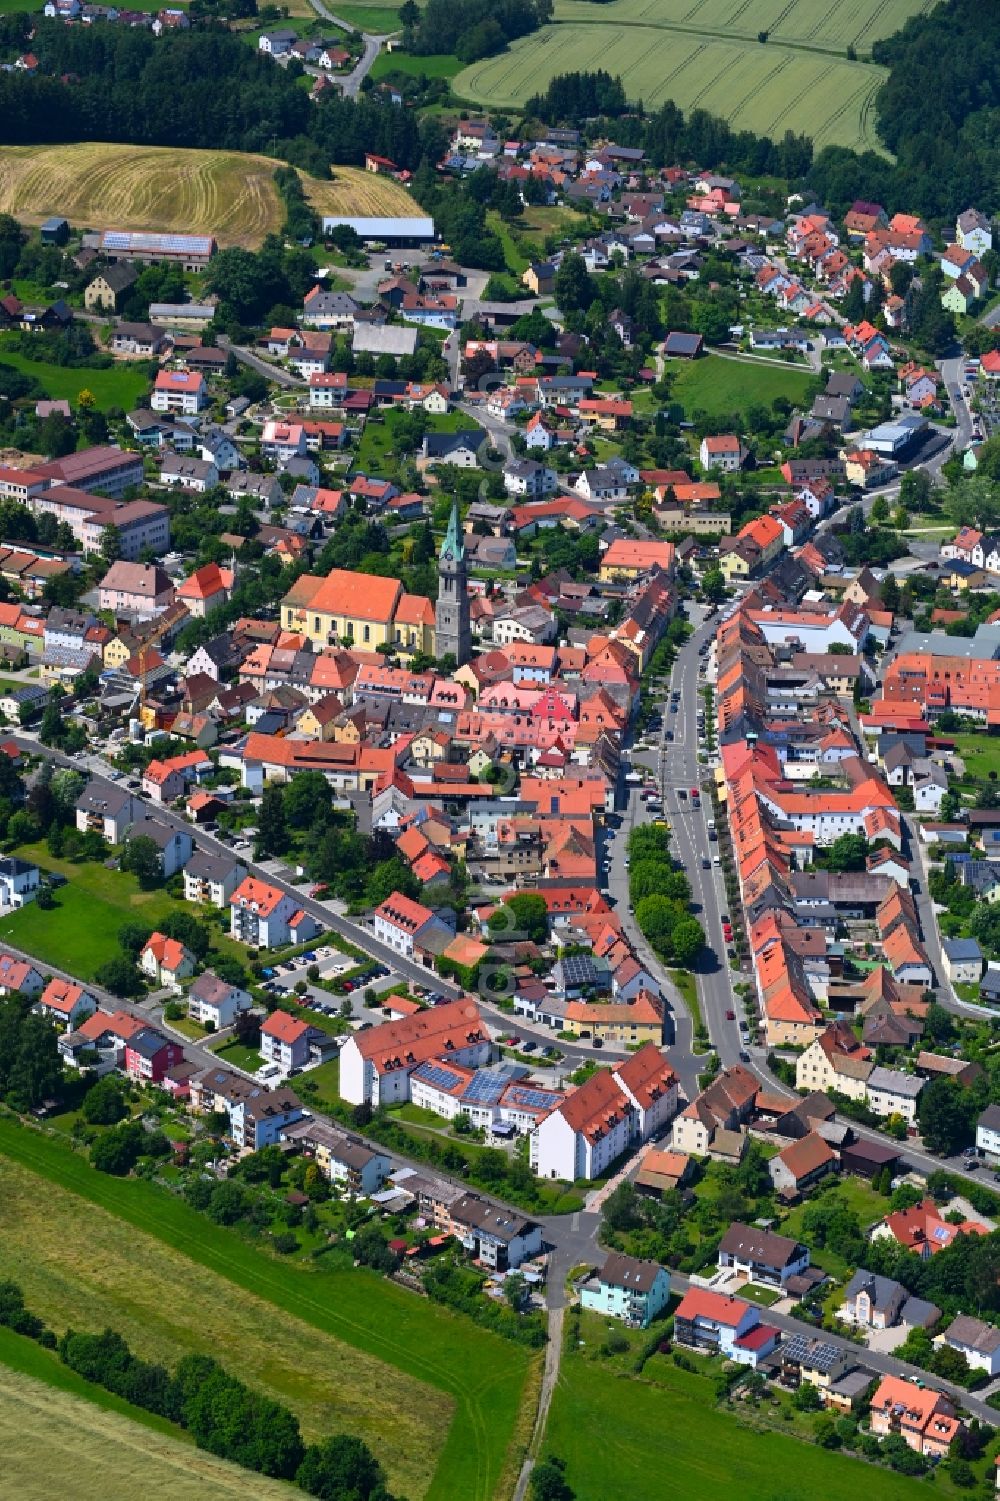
93	1452
438	1399
707	56
624	1454
222	193
717	385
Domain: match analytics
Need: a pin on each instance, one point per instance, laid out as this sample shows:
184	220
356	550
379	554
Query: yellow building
117	653
361	609
625	560
618	1023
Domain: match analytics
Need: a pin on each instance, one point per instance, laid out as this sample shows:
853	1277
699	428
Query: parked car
730	1016
529	1045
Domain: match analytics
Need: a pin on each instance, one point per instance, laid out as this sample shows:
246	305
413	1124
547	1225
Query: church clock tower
453	633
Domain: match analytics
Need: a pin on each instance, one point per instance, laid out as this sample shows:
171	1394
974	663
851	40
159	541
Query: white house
215	1002
212	879
261	915
528	478
761	1257
166	961
376	1064
19	977
963	960
891	1092
284	1040
973	231
721	1324
496	1236
66	1002
605	1117
723	452
19	882
978	1342
988	1132
399	921
182	391
175	845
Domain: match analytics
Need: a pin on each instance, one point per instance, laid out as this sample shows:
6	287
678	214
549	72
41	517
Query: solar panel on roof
484	1089
531	1099
438	1077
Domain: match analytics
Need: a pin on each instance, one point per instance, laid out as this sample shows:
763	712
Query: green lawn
718	386
979	751
121	386
376	453
374	19
239	1056
483	1374
516	260
688	987
663	1436
438	65
81	932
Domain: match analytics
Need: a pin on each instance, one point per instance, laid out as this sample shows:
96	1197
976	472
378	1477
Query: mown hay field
706	55
365	1356
100	185
55	1443
82	1267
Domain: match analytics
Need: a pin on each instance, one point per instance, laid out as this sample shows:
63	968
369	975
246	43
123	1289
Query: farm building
409	230
190	252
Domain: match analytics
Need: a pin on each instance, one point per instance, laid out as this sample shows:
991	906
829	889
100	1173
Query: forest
472	28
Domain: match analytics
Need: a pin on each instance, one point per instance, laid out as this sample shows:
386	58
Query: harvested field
98	185
80	1266
55	1443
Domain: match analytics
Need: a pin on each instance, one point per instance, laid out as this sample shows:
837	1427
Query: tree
342	1468
121	977
133	937
111	542
880	510
946	1112
806	1398
307	800
548	1481
657	917
272	835
847	852
713	585
118	1150
104	1103
688	941
141	857
574	290
524	916
36	1068
515	1289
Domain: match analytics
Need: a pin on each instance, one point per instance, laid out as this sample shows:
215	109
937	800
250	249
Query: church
366	611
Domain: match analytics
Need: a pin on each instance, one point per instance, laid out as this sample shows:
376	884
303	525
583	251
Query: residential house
963	960
166	961
149	1056
802	1164
183	391
284	1041
216	1003
925	1418
212	879
175	845
977	1341
922	1229
262	915
66	1001
723	452
343	1158
628	1289
988	1133
891	1092
874	1302
376	1064
141	590
106	809
19	882
717	1323
498	1237
761	1257
107	291
19	977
